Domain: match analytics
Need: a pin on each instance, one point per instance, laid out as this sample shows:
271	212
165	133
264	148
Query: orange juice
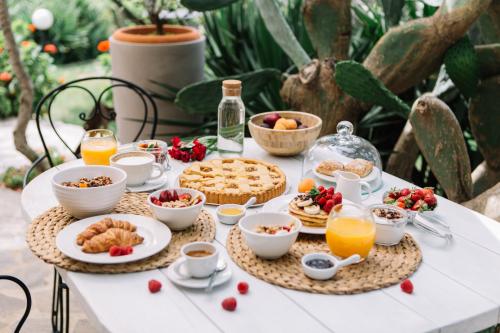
350	235
98	152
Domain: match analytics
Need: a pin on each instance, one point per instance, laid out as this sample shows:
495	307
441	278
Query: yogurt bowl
257	230
390	223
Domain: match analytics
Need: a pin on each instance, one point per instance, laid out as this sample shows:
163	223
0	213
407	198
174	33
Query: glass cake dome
343	151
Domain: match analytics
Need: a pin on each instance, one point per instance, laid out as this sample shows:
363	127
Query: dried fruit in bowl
415	199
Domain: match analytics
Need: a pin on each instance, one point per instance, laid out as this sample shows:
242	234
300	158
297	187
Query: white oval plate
150	185
175	277
156	237
280	204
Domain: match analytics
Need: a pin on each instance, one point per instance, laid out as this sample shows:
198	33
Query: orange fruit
306	185
290	124
280	124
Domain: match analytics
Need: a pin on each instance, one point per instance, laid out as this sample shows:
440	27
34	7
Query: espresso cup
138	165
199	266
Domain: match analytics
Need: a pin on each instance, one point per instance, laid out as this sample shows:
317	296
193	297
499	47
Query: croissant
112	236
100	227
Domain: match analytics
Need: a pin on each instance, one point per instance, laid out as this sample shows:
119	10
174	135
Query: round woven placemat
41	238
386	265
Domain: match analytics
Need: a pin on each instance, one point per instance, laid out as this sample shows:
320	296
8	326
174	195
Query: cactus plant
440	139
360	83
404	57
462	66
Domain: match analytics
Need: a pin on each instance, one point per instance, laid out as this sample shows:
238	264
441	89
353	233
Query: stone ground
15	257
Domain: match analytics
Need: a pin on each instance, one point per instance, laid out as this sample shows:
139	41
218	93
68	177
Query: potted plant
157	52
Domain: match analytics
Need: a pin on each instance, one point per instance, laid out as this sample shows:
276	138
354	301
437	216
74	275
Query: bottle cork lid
231	84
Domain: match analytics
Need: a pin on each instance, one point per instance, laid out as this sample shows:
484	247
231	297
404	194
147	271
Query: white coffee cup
138	165
202	266
350	184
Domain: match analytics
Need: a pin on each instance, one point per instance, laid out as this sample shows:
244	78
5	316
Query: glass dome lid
343	151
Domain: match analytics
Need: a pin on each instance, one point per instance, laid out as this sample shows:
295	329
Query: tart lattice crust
234	180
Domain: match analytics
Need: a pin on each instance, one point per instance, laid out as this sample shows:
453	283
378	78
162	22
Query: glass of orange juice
97	146
350	229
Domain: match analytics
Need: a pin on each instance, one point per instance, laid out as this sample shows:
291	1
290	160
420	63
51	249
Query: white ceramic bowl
91	201
230	219
177	218
389	232
319	273
264	245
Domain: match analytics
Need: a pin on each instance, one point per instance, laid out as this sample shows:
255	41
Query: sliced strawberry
400	204
169	195
175	196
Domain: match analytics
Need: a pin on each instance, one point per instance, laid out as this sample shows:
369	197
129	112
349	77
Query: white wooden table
457	287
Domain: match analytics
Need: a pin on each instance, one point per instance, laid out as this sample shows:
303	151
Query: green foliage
462	66
38	65
357	81
203	5
393	9
204	97
78	27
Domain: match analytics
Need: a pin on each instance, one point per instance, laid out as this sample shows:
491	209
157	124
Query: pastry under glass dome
343	147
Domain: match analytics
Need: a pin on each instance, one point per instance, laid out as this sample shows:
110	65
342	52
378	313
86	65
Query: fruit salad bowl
285	133
178	208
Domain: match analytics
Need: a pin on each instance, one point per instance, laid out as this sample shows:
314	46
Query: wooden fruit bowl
285	142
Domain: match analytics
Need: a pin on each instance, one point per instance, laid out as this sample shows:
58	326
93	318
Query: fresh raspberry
337	198
404	192
229	304
321	188
154	286
163	196
243	287
330	190
322	201
127	250
407	286
328	206
115	251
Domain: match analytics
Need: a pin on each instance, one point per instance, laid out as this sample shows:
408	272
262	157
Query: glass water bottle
231	120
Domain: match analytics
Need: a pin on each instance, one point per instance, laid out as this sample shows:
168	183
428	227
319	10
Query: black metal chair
28	299
97	111
60	291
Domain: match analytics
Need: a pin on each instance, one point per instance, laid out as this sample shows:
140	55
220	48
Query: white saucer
280	204
150	185
176	277
156	237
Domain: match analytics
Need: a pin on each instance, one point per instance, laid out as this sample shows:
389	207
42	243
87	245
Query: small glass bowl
156	147
389	231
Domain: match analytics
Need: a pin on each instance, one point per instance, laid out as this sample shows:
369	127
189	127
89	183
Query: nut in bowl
270	235
91	190
178	208
291	132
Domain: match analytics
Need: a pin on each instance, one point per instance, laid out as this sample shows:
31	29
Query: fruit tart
313	207
234	180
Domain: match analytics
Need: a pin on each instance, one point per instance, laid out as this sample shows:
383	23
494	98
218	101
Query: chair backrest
28	299
97	111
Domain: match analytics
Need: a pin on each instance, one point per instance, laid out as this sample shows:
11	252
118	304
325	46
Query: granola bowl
175	211
90	190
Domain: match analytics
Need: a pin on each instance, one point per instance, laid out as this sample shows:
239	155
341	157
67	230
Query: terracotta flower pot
140	56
